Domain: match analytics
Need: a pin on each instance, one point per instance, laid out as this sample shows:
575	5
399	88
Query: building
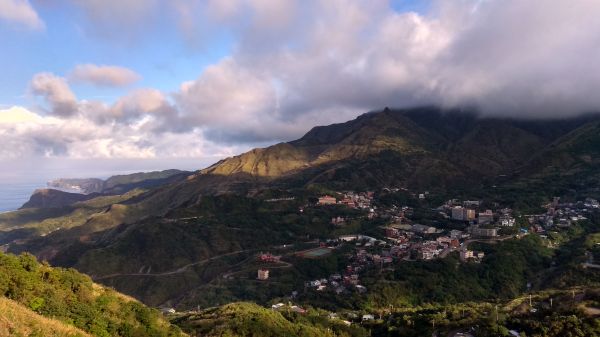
484	232
457	213
486	217
463	214
456	234
469	214
466	254
507	221
263	274
471	203
327	200
368	318
423	229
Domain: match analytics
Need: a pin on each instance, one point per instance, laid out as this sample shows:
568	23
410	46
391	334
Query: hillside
483	319
425	148
248	319
49	198
17	320
72	298
119	184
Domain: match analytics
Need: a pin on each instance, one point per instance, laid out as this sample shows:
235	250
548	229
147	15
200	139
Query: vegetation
74	299
248	319
18	321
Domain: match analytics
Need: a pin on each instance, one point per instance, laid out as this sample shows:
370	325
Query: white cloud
26	134
299	64
20	12
57	93
17	115
103	75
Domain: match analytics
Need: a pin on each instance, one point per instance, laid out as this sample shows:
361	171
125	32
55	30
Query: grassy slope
248	319
17	320
73	298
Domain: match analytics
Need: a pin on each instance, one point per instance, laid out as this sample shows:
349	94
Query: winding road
176	271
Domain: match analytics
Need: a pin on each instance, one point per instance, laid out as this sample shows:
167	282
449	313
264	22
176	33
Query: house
466	254
167	310
315	283
277	306
426	254
269	258
368	318
361	289
327	200
506	221
263	274
297	309
456	234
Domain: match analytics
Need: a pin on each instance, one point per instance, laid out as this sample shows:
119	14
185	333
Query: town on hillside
404	237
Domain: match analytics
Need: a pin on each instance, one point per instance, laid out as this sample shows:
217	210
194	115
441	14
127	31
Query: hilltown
402	239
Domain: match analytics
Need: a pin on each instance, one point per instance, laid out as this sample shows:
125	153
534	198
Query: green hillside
18	320
248	319
72	298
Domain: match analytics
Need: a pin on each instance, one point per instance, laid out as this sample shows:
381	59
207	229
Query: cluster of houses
338	283
562	215
484	223
360	200
417	241
288	307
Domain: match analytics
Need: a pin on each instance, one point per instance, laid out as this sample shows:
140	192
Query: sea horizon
19	181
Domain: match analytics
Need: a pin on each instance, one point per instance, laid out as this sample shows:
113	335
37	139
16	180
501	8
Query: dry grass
16	320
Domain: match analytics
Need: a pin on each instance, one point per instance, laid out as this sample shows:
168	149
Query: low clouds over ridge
296	64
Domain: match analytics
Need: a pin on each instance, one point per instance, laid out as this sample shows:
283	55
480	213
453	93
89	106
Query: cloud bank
296	64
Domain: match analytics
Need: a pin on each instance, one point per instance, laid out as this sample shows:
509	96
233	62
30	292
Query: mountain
175	243
73	302
421	148
118	184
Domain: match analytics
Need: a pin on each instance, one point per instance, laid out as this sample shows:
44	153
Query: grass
17	320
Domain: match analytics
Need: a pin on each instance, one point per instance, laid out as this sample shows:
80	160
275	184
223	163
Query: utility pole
530	300
550	302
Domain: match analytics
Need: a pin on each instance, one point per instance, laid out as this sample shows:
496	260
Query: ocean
14	195
19	179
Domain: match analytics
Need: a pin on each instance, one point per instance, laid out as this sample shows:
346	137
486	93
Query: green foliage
247	319
71	297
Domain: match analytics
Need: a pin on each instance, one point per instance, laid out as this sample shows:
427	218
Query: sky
183	83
